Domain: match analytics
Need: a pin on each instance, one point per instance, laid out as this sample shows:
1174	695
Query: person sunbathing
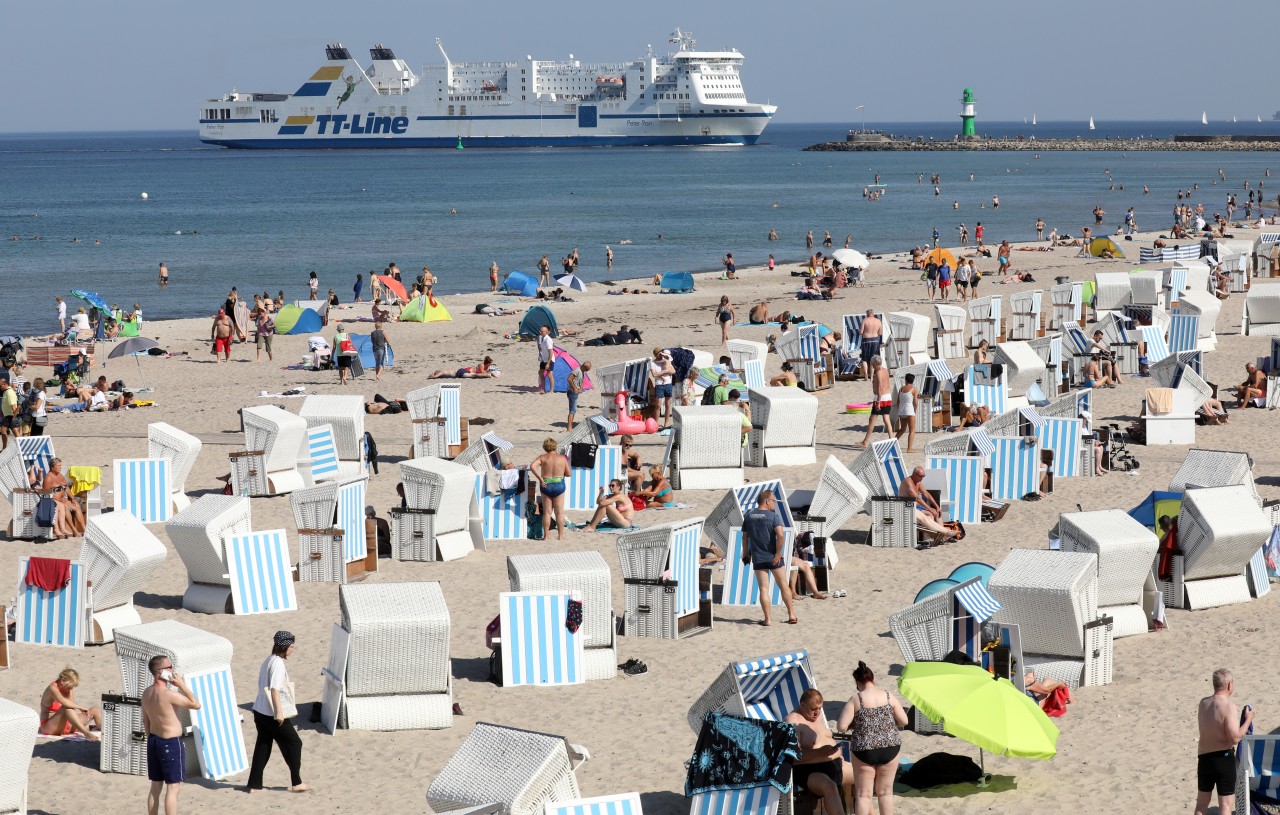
60	715
124	400
1018	277
1254	386
975	416
1213	412
68	517
614	505
382	404
658	493
1042	689
481	370
928	515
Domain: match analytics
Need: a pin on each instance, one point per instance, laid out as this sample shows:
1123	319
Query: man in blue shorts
166	759
765	543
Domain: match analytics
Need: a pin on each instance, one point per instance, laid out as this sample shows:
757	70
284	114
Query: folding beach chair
260	572
705	448
586	577
1024	308
389	659
119	555
441	504
181	449
142	488
783	427
666	596
985	321
766	688
216	725
485	453
331	531
520	770
1125	550
18	727
56	617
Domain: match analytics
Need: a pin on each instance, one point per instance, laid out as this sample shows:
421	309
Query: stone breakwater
1046	145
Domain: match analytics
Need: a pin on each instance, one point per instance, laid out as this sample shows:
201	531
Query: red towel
1056	703
48	573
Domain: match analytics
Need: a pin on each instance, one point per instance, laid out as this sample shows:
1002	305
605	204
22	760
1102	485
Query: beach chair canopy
294	320
521	284
364	347
1098	246
425	309
533	321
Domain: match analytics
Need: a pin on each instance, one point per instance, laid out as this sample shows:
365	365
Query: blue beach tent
521	284
364	347
677	282
533	321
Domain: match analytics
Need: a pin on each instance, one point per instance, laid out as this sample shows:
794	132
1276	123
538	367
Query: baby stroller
10	347
77	365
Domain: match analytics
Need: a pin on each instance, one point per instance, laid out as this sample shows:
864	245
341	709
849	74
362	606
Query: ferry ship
687	97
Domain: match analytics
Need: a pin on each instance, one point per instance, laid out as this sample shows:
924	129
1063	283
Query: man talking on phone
166	760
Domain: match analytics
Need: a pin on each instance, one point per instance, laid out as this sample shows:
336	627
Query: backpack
709	396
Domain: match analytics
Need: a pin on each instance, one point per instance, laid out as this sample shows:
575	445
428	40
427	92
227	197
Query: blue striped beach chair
1184	332
740	587
1015	467
537	648
658	605
1258	771
219	739
260	572
37	452
762	800
485	453
1175	280
946	621
1157	348
503	512
322	455
981	389
735	503
58	618
802	348
627	803
451	410
1063	437
142	488
585	483
330	520
964	485
880	467
753	373
766	688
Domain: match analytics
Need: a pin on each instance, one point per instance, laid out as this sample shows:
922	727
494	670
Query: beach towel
84	479
1159	401
734	753
48	573
1055	704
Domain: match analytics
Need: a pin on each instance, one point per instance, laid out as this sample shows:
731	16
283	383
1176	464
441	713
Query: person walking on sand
313	286
166	756
551	469
221	335
493	276
381	348
343	351
1221	729
358	288
881	400
765	545
725	315
264	329
573	388
546	361
272	711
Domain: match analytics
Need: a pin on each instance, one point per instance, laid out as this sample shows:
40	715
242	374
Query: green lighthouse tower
967	115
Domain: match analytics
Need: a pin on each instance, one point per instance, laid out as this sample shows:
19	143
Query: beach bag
347	347
709	395
46	508
638	502
288	709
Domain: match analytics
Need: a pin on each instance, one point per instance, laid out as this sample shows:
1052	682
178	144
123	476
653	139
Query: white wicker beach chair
880	467
783	427
1023	368
57	618
439	522
1206	307
948	334
345	414
706	448
630	377
1066	304
767	688
1112	292
1214	468
736	502
18	726
586	575
947	621
1125	550
485	453
193	652
1024	312
986	321
198	534
520	770
1262	310
436	414
1178	426
1220	529
1167	373
331	532
398	674
908	341
744	351
181	449
665	592
120	554
1057	375
1147	289
269	463
824	510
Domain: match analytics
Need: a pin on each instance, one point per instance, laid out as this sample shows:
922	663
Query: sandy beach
1127	747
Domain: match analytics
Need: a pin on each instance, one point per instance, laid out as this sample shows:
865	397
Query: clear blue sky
147	65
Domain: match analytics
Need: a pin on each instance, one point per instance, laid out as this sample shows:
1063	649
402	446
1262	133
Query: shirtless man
551	469
872	336
759	314
221	335
928	513
821	770
166	762
881	397
1221	729
1253	386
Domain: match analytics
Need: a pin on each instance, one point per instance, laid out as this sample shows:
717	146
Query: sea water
262	220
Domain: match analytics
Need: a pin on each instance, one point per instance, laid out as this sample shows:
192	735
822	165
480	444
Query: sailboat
1033	119
1204	118
1091	127
1233	119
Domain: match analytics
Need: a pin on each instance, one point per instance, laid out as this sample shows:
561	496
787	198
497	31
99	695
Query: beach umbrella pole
982	763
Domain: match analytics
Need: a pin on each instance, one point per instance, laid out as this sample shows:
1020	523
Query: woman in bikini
658	493
59	713
551	469
614	505
785	379
68	520
482	370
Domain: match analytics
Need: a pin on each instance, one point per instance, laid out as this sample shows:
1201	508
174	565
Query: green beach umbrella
984	710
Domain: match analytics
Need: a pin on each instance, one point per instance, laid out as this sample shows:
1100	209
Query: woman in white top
964	271
37	401
313	284
907	396
275	696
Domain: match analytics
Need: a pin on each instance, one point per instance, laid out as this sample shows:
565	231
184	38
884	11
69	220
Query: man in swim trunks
872	336
221	335
59	713
1253	386
1221	729
166	760
881	399
821	769
764	542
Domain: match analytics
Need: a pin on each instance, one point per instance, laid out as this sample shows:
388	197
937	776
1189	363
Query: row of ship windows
217	113
726	96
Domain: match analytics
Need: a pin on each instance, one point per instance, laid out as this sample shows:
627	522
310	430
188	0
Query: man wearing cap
273	711
221	335
661	372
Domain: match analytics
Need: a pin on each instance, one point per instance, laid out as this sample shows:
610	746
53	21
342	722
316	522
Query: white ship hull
686	98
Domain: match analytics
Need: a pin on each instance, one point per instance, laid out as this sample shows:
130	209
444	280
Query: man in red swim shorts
221	335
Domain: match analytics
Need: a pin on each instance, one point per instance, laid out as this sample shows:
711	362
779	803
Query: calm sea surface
265	219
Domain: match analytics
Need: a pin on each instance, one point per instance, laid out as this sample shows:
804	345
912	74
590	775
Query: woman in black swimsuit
725	315
873	717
